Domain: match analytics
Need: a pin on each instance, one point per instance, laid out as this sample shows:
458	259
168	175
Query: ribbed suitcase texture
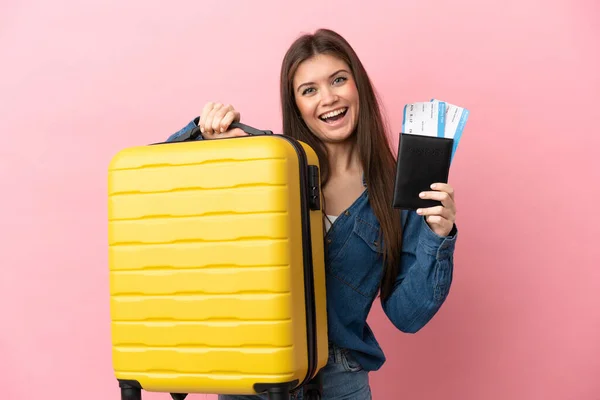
208	250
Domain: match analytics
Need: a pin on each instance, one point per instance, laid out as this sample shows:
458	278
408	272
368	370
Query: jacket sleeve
191	125
424	276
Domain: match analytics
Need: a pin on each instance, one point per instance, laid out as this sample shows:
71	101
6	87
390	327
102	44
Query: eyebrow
330	76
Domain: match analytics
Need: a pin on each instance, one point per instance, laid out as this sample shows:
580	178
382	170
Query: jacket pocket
369	233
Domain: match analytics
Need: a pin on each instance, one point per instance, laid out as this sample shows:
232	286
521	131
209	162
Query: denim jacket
354	269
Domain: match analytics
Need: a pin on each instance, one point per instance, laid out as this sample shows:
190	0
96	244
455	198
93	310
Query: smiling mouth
333	116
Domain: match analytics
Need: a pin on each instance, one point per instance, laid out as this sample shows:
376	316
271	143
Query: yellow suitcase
217	281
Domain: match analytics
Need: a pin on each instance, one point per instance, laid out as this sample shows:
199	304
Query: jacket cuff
442	247
191	125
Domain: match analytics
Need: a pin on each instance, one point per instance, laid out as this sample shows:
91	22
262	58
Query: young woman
371	249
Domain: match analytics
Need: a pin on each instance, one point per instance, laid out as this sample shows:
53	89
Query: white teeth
333	113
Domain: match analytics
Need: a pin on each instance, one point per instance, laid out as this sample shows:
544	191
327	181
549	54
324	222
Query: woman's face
327	97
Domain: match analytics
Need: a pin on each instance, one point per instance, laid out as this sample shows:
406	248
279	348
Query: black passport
422	160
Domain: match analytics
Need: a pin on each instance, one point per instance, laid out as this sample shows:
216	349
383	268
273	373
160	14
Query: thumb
236	132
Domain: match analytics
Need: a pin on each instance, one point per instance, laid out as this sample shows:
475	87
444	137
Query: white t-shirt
329	218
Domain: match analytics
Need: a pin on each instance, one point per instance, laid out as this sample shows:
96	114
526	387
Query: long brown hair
375	154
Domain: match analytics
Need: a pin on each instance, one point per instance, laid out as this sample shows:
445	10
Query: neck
343	158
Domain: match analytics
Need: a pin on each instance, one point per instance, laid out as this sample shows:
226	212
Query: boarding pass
435	118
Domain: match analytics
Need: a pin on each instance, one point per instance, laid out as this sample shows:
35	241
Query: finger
204	127
227	134
235	132
443	197
205	111
436	220
218	118
210	118
210	135
231	133
208	123
444	187
229	118
436	210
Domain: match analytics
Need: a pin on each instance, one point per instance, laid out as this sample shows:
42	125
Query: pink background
81	80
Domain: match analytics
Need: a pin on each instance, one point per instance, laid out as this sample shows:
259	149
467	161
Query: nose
328	96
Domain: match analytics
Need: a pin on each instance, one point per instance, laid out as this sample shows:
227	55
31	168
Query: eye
307	91
340	79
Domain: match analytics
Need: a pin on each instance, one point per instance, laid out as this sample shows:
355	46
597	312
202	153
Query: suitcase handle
249	130
246	128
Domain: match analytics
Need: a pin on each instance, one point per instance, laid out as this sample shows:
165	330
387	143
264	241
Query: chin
336	137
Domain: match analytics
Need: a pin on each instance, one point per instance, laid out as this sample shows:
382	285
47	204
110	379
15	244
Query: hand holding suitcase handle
193	134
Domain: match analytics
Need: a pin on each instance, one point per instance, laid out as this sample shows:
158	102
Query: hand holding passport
430	135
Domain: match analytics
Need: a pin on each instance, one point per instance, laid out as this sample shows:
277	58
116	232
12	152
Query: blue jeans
343	379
